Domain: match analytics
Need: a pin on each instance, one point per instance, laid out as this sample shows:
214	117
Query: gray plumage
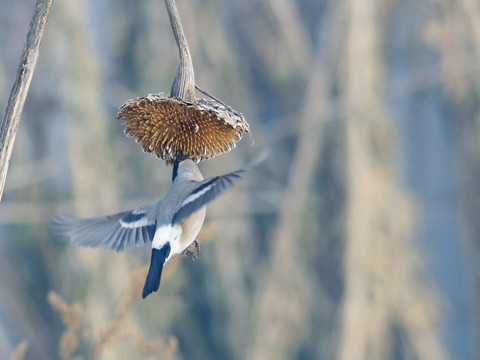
188	193
170	225
131	228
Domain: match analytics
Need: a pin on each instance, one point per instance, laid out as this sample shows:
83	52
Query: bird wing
114	232
204	192
208	189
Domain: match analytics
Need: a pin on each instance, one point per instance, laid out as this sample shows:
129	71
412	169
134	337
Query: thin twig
212	97
19	91
184	83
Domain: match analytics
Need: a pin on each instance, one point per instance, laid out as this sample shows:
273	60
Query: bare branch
19	91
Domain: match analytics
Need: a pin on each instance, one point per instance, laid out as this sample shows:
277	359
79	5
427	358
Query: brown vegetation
326	251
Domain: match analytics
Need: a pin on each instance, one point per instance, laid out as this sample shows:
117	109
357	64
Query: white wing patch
196	195
135	224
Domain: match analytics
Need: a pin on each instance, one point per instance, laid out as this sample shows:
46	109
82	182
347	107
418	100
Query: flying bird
170	225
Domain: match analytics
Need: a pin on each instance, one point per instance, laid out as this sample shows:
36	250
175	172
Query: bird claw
194	255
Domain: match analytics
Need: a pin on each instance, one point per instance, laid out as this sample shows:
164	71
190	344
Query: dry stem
184	83
19	91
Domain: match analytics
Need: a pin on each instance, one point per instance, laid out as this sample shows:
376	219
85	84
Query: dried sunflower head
171	127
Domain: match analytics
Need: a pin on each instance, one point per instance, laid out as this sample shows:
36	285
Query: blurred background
357	239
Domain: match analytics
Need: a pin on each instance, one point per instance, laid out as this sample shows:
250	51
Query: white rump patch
167	233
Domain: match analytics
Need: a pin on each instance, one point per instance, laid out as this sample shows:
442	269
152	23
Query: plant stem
18	94
184	83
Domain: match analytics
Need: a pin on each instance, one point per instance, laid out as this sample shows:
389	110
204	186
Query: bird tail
155	272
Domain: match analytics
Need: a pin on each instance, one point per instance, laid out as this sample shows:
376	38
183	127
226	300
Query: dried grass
71	317
382	267
120	330
20	351
455	34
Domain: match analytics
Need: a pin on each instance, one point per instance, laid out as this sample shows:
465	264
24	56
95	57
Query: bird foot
194	255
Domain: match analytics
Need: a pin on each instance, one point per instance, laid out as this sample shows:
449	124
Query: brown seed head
170	127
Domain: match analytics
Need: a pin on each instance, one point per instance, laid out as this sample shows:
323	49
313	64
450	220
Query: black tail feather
155	272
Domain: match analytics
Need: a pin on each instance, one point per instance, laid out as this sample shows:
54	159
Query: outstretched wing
210	188
114	232
206	191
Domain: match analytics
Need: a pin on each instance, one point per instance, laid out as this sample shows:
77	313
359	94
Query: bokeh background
357	239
